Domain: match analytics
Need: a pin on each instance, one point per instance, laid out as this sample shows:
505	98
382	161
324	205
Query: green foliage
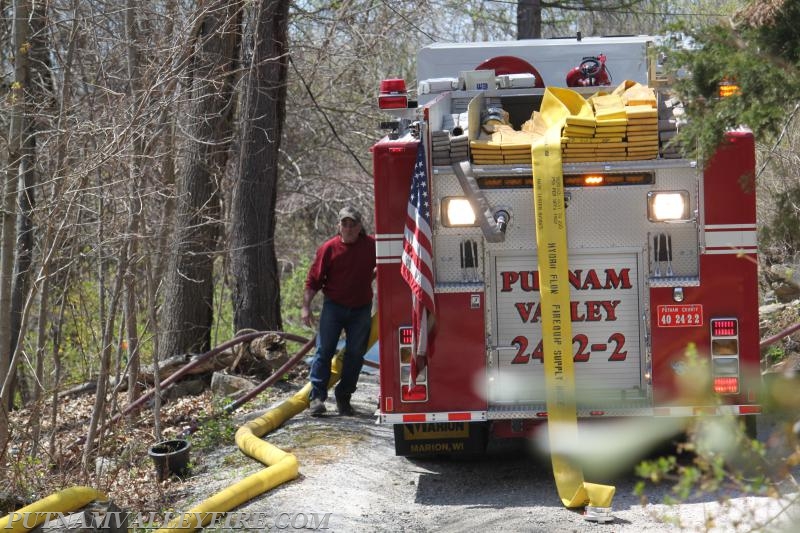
717	456
763	66
27	474
774	354
216	430
222	329
760	53
782	234
292	287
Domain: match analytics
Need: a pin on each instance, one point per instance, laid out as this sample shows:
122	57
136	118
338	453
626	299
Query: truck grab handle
493	222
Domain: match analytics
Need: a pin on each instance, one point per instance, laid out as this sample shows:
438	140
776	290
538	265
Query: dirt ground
351	480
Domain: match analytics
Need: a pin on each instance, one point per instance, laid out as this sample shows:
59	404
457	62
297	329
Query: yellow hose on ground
558	106
32	515
281	466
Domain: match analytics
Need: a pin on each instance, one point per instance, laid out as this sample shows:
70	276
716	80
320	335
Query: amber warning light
728	88
393	94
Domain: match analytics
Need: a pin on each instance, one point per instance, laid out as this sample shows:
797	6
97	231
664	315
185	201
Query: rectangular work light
667	206
457	212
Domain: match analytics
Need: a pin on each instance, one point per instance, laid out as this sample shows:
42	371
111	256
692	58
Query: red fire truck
662	254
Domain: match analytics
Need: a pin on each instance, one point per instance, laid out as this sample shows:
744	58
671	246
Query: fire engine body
652	301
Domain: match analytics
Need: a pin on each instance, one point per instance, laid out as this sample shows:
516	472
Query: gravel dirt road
350	480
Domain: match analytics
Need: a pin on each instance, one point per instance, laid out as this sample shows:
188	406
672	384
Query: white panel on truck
606	327
626	57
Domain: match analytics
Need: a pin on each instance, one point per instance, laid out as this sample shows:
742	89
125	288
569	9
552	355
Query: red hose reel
591	72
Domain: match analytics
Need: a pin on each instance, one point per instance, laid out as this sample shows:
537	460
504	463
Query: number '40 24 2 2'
682	319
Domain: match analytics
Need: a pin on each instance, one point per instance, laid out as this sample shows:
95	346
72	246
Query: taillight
729	385
725	355
419	391
393	94
724	327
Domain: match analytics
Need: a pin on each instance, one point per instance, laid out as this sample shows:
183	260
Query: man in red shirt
343	269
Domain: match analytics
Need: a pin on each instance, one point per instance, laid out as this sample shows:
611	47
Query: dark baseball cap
349	212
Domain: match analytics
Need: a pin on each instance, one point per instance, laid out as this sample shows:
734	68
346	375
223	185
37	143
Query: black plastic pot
170	457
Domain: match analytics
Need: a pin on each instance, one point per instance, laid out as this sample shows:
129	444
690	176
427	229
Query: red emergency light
393	94
416	393
724	327
726	385
725	355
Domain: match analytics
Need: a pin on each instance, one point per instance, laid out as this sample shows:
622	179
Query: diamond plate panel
533	410
597	218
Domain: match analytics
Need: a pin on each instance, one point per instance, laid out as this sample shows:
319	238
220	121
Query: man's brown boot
316	407
343	405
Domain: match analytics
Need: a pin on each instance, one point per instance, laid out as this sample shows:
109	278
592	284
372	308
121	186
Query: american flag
417	264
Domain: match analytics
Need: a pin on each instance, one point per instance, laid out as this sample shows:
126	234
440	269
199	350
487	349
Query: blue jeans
356	322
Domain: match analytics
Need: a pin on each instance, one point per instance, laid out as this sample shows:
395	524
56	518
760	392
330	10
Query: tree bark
134	205
107	320
188	303
40	84
529	19
254	265
7	238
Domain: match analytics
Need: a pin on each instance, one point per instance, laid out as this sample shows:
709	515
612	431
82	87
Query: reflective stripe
730	239
456	416
731	251
389	248
718	227
480	416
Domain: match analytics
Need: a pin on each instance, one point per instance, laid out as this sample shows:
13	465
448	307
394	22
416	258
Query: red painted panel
728	282
729	182
393	162
458	360
457	369
728	289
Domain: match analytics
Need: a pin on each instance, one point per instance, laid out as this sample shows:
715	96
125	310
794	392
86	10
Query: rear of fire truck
661	253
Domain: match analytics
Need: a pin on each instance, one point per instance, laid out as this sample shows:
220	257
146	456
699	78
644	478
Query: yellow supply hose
551	243
281	466
32	515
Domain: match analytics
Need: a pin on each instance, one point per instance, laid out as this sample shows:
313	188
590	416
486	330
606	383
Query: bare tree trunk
41	342
24	248
529	19
39	68
56	329
151	294
107	346
256	288
7	238
134	207
188	300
